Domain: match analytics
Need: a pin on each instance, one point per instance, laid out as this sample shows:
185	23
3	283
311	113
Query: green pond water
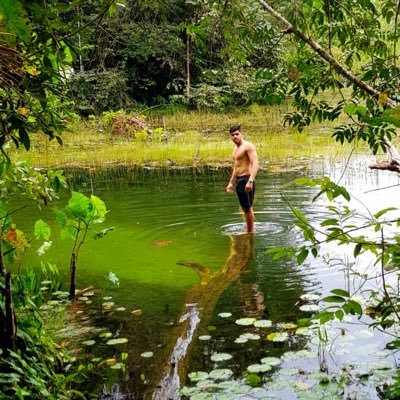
178	251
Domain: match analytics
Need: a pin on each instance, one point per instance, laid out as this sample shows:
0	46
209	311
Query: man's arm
229	188
253	159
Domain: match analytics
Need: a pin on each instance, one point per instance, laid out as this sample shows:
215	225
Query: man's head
236	134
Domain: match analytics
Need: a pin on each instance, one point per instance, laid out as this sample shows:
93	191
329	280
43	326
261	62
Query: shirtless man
244	173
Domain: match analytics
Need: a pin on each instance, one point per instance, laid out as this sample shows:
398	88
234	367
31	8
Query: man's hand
248	187
229	188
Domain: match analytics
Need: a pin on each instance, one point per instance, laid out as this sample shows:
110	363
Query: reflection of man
244	173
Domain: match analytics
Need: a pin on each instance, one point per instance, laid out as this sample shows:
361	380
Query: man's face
236	137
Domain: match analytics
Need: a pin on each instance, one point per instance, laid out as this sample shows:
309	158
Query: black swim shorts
245	198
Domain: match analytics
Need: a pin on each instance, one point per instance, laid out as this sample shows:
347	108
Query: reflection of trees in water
200	304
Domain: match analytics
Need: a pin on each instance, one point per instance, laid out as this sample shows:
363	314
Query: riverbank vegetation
182	139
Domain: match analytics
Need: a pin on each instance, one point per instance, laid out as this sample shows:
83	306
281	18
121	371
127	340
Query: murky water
181	258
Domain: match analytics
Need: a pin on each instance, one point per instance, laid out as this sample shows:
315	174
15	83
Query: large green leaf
11	11
98	208
79	205
42	229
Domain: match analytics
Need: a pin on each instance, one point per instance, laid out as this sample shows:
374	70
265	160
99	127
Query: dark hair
234	128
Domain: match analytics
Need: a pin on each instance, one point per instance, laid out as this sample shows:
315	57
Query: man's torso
241	160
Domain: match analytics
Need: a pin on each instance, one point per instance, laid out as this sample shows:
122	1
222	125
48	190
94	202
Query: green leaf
334	299
328	222
42	229
79	205
340	292
98	208
302	256
357	249
14	19
384	211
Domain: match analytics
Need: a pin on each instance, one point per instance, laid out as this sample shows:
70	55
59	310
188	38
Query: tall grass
194	138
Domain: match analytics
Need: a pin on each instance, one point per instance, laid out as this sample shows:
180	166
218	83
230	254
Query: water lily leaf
252	379
46	282
263	323
278	336
220	374
245	321
211	328
304	331
310	308
161	243
205	337
250	336
105	335
259	368
83	298
309	297
89	342
273	361
107	298
241	339
218	357
300	385
225	314
276	385
147	354
117	341
322	377
382	364
117	366
289	326
108	304
198	376
137	312
120	309
96	359
111	361
289	372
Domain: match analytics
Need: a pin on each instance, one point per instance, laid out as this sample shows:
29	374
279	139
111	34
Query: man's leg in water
249	215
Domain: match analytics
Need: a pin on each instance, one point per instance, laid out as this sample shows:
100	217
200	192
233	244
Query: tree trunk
72	285
394	163
2	262
10	320
188	64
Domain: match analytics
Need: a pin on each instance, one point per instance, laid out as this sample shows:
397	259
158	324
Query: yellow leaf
383	98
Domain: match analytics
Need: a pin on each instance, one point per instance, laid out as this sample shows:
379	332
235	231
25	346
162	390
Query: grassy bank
193	138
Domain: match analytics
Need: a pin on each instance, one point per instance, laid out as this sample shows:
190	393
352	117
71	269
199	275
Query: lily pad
259	368
117	366
250	336
309	297
117	341
245	321
310	308
217	357
263	323
205	337
105	335
304	331
198	376
107	298
278	336
89	342
273	361
225	315
220	374
137	312
289	326
120	309
147	354
241	339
